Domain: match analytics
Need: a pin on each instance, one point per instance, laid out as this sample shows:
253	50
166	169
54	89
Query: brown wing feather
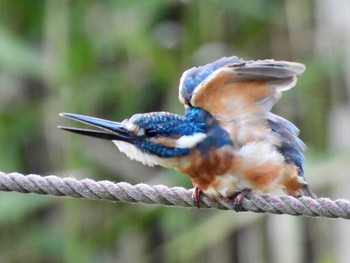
240	97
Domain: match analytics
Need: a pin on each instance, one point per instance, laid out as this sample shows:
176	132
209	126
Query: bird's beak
111	130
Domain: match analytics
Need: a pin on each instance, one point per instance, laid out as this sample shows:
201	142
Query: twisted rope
176	196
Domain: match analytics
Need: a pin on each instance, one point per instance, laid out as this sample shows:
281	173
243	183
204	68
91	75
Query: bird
228	141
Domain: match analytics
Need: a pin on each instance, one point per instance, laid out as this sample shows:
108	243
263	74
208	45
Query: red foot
238	197
196	196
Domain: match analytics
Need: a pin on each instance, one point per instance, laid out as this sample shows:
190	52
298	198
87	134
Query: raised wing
238	93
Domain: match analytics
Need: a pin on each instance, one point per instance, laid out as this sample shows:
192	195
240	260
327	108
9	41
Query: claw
238	198
196	196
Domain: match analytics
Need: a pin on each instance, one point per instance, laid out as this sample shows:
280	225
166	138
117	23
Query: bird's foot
196	196
238	198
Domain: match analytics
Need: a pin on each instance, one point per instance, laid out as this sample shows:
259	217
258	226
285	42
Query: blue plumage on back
291	146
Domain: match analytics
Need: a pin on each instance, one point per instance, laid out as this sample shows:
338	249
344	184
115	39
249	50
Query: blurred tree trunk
333	41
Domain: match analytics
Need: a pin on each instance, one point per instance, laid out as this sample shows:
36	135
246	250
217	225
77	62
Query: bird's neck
216	136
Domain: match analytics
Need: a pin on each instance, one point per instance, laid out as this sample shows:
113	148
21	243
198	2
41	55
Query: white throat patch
189	141
135	154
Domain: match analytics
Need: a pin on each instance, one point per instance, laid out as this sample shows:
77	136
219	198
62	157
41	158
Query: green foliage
112	59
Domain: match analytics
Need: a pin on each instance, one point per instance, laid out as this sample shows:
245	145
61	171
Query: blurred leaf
17	207
15	56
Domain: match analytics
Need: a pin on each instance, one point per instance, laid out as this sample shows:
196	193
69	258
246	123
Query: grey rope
176	196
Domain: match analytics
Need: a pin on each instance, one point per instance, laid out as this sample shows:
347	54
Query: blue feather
160	150
195	121
291	146
166	124
194	76
217	137
292	155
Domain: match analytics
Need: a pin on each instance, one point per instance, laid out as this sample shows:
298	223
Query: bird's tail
306	191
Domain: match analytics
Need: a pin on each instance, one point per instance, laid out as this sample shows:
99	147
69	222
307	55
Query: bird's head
151	138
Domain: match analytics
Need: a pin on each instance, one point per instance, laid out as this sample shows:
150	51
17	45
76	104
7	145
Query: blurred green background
112	59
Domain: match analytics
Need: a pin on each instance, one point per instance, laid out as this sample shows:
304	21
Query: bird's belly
256	166
204	168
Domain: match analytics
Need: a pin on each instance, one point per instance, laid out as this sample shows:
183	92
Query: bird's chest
204	168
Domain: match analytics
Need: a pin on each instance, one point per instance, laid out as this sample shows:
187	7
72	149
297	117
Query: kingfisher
227	142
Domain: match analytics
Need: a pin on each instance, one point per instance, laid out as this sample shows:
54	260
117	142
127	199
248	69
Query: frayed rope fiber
176	196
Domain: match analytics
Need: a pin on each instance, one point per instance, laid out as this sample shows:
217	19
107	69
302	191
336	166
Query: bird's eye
151	132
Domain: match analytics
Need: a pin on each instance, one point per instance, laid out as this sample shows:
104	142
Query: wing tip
294	68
